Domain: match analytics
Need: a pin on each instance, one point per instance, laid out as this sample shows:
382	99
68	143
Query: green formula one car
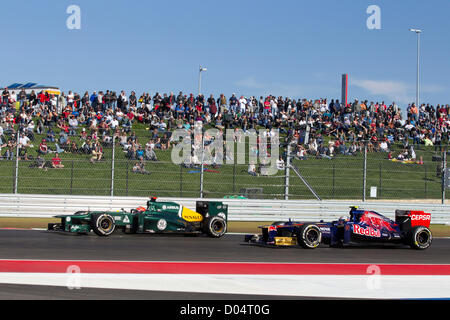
159	217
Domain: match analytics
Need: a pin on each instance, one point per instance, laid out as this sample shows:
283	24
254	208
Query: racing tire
103	224
215	227
420	238
309	236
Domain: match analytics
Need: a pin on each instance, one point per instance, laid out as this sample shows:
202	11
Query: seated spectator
252	170
384	146
301	153
140	153
24	141
9	154
139	167
97	153
83	134
56	162
43	147
50	135
150	154
280	164
39	163
63	138
74	148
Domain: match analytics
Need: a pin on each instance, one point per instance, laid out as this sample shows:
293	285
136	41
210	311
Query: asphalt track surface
43	245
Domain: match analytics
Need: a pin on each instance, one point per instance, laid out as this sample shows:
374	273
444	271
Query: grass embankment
338	178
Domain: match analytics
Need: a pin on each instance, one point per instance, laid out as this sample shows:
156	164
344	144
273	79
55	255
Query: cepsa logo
420	217
369	232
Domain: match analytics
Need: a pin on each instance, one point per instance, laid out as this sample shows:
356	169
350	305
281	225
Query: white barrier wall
26	205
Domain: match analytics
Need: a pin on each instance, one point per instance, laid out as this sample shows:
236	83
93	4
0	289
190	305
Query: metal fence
366	175
45	206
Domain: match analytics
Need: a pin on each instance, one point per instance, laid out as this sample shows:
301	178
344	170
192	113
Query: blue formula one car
361	227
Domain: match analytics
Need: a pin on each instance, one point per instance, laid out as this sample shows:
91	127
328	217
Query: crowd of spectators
85	123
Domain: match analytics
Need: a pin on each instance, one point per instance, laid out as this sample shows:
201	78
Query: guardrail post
16	172
364	173
126	181
71	178
112	165
202	167
181	180
444	175
381	181
287	165
334	178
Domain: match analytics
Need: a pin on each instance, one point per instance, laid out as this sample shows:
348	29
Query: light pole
418	32
200	79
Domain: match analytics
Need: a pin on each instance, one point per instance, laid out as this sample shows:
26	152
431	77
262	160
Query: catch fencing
368	173
365	175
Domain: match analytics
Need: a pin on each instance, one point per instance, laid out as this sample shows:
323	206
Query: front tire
215	227
309	236
103	224
420	238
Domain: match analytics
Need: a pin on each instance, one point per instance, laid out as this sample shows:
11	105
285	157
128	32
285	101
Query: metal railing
35	205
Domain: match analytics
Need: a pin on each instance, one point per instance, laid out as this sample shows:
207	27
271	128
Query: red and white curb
381	281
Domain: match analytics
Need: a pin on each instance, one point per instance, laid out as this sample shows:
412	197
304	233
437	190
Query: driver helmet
343	220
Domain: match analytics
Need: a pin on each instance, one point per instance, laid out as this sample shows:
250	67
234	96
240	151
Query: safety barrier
26	205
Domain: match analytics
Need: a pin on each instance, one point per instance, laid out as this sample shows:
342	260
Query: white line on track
366	287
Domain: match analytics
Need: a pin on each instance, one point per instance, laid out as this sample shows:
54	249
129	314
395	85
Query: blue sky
250	47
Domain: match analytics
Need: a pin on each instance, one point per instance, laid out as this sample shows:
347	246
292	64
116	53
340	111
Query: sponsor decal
126	220
166	207
190	215
222	215
117	218
161	224
377	221
324	229
68	219
369	232
420	217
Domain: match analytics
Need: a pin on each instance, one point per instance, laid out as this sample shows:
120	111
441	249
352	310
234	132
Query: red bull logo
376	221
369	232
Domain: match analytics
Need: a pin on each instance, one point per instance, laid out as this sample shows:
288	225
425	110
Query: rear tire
215	227
309	236
103	224
420	238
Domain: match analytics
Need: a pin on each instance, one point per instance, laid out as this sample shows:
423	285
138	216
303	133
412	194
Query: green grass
339	178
